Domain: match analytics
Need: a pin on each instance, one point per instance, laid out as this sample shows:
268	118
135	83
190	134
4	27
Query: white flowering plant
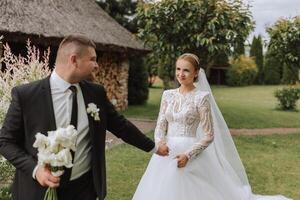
93	110
54	152
6	171
17	70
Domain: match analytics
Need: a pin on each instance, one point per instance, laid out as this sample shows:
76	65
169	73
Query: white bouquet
54	152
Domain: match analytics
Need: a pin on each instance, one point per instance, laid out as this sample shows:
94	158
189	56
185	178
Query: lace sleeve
162	123
204	110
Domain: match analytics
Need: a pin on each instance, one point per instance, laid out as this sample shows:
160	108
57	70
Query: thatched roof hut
46	22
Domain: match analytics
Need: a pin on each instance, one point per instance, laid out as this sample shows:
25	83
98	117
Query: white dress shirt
62	104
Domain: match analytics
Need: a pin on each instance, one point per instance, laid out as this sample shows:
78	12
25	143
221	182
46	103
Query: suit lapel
48	113
87	97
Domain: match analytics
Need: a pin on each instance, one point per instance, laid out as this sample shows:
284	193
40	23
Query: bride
203	163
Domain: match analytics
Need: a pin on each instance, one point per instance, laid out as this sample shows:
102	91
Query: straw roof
48	21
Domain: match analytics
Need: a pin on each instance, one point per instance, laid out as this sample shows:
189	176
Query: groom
57	101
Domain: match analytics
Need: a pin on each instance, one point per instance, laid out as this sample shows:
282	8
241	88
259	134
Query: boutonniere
93	111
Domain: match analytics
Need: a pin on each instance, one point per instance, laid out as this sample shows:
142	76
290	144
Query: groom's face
86	63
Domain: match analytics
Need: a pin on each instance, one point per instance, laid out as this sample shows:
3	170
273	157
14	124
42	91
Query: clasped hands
163	150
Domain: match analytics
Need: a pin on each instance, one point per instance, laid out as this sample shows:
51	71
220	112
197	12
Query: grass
242	107
254	107
150	109
272	164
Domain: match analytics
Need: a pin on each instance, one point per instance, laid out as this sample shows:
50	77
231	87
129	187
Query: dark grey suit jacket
31	111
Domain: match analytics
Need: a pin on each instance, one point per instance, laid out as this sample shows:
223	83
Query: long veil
224	147
223	144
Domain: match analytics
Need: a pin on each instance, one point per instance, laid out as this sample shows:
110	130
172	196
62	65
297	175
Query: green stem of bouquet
51	194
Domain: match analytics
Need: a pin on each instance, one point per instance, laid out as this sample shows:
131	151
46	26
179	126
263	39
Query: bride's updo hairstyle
193	59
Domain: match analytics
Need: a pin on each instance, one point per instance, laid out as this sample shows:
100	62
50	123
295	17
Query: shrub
6	171
242	71
6	174
272	69
137	82
288	97
5	193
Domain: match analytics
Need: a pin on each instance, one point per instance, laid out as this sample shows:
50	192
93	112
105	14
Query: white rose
62	138
62	158
71	132
43	157
67	137
54	146
92	108
41	142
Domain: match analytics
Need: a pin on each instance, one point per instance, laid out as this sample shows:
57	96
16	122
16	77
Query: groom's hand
163	149
45	178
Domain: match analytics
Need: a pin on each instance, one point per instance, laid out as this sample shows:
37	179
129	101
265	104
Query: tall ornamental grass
16	70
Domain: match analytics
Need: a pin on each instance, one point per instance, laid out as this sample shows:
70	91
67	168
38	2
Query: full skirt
203	178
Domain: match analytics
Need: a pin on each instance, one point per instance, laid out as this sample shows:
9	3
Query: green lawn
253	107
242	107
272	164
150	109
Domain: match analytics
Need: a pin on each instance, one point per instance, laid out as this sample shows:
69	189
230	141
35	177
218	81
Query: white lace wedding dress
204	177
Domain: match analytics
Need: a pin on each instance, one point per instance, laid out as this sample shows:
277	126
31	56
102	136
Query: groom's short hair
78	42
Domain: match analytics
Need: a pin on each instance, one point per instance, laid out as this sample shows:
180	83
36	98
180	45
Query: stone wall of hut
113	75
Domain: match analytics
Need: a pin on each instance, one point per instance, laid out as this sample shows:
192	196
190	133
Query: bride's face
185	72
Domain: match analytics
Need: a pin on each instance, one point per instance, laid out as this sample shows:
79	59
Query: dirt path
148	125
144	125
264	131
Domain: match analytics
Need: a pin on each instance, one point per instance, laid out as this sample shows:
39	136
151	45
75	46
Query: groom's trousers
81	188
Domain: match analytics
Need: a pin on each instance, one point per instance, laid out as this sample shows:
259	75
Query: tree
289	74
272	69
240	48
242	71
285	43
123	11
152	69
256	51
204	27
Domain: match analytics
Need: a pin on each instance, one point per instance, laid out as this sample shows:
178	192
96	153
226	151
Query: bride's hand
182	160
163	149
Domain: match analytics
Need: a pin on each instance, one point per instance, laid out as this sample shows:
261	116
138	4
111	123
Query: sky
267	12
